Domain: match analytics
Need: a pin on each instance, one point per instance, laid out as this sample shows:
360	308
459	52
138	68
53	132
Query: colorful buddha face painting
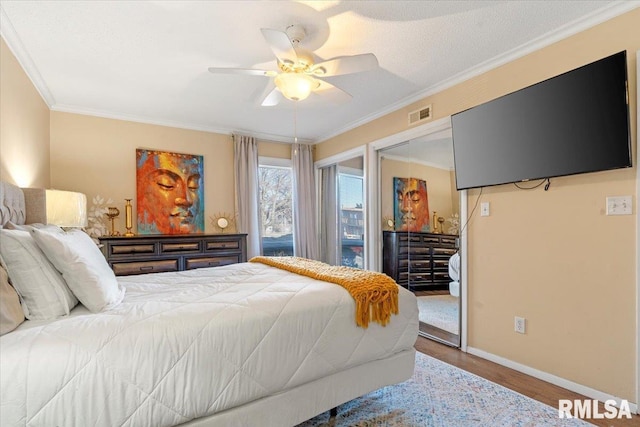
411	204
170	192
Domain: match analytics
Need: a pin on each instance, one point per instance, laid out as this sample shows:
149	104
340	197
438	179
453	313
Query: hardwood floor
524	384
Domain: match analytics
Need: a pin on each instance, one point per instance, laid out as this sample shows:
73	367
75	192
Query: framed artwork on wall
170	192
410	204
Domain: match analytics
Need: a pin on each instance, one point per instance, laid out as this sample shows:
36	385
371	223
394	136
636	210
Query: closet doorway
420	211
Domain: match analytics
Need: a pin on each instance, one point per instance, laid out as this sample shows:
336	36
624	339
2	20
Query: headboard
12	204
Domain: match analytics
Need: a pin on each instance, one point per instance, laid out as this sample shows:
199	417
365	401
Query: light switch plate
619	205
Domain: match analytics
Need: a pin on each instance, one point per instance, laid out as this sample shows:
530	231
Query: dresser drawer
408	239
448	241
441	276
444	251
179	247
430	239
419	251
413	251
418	265
200	262
222	245
132	249
442	264
415	278
141	267
418	278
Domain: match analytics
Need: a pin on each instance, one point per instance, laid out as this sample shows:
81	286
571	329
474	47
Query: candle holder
128	217
435	223
112	214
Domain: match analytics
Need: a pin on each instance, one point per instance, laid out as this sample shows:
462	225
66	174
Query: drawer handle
146	268
213	263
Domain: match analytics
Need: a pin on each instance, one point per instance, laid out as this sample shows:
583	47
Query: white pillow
83	267
44	293
11	314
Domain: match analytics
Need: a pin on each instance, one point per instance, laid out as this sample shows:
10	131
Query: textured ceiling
147	60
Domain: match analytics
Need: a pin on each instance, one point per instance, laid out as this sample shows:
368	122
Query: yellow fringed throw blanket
375	294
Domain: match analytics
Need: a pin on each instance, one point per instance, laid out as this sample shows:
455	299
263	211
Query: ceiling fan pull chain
295	122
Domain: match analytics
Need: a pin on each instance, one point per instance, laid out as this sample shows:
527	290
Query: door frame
374	222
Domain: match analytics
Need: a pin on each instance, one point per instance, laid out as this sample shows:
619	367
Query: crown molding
266	137
397	158
24	59
604	14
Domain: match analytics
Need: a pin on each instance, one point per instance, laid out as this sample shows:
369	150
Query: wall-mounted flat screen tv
574	123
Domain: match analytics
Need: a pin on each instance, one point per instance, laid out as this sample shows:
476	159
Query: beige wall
24	126
552	257
438	186
96	156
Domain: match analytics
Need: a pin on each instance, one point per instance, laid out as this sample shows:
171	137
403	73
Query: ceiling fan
298	74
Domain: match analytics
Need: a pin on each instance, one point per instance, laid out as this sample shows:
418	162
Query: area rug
440	311
441	395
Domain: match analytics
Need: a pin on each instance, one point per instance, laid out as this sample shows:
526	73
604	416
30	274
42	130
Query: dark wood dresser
418	261
158	253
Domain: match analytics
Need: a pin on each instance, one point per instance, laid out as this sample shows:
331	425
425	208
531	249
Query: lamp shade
295	86
61	208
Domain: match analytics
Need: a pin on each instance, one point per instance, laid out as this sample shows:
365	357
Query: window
276	208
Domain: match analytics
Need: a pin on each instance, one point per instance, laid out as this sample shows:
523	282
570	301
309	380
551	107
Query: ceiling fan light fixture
295	86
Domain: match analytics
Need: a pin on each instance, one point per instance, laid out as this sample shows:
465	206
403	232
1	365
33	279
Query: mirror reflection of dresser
418	261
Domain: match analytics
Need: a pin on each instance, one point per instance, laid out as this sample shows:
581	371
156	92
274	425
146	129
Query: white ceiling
147	60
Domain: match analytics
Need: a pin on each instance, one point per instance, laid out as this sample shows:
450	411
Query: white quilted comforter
188	344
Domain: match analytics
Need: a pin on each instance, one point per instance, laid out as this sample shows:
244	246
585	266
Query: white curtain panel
328	215
247	190
305	240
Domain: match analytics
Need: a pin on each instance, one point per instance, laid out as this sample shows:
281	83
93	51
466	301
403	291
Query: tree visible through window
276	210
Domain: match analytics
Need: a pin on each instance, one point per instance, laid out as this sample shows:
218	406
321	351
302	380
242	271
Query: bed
241	345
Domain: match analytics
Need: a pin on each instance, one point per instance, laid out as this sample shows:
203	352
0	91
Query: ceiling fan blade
280	45
244	71
271	96
332	93
345	65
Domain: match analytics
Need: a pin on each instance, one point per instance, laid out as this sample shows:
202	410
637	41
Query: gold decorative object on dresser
418	261
157	253
128	218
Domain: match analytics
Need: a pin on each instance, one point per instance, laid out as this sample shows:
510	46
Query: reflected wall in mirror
426	262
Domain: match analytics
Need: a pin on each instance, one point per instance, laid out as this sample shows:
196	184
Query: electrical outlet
520	325
484	209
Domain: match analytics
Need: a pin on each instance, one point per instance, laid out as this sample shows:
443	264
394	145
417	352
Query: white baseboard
545	376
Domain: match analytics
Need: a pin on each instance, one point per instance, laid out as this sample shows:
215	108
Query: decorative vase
128	218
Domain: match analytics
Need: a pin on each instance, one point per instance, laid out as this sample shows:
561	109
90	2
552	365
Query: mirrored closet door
342	212
420	208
